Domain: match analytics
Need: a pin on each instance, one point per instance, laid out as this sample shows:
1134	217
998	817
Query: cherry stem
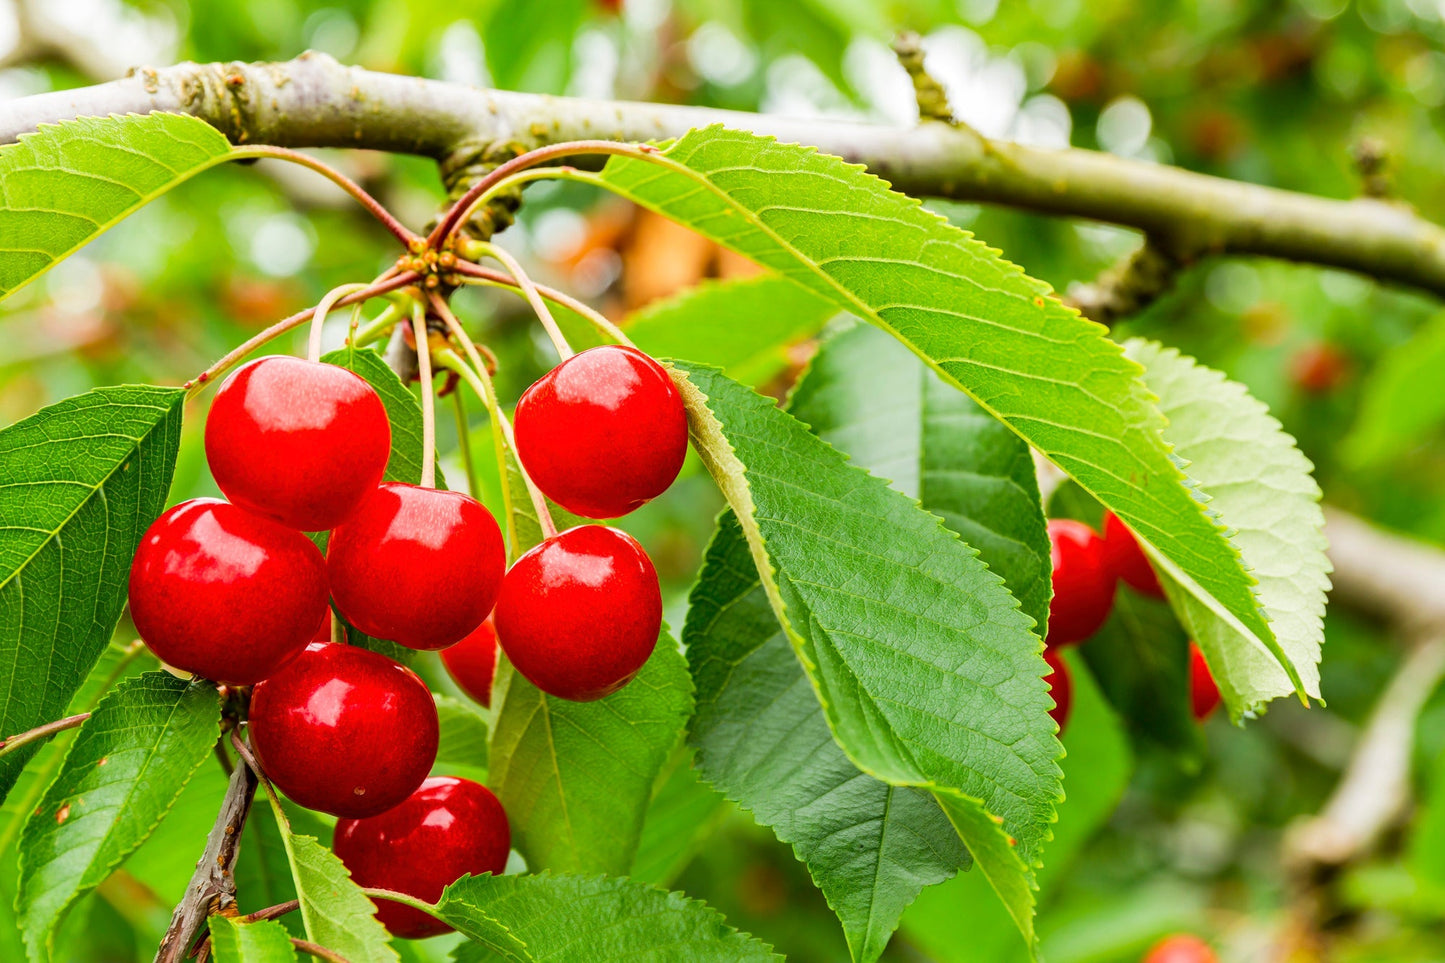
402	233
270	912
374	329
479	275
318	951
382	285
323	308
478	379
249	759
460	212
428	401
534	298
11	743
464	444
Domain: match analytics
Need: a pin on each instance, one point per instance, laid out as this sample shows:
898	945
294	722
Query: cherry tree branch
313	101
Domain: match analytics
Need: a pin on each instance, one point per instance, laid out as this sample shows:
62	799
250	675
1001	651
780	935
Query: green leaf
577	776
68	182
760	731
129	762
744	327
683	812
263	942
762	739
80	481
987	328
1259	481
927	670
1401	404
334	910
597	919
462	750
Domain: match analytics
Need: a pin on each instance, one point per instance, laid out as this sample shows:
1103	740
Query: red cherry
1126	559
1083	582
417	566
579	614
1062	688
225	594
603	432
1319	368
344	730
472	662
1203	693
445	830
1181	948
297	441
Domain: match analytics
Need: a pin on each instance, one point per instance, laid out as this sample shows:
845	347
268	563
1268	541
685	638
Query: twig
11	743
318	951
1128	286
213	886
931	97
271	912
1386	574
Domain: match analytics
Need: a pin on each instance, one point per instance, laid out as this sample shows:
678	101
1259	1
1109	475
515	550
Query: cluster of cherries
233	591
1087	567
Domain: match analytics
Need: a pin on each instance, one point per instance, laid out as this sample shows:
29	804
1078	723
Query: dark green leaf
80	481
66	183
680	817
263	942
129	762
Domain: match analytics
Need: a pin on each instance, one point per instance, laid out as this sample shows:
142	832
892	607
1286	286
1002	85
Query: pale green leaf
129	762
1258	481
80	481
1050	375
532	919
68	182
462	749
263	942
1401	404
927	670
744	327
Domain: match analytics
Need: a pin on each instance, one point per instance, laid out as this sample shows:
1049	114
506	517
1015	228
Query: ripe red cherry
1319	368
297	441
1062	688
1126	559
225	594
1083	582
603	432
579	614
417	566
1203	692
344	730
445	830
472	662
1181	948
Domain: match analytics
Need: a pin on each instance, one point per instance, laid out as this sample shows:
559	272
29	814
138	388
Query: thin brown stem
11	743
271	912
318	951
402	233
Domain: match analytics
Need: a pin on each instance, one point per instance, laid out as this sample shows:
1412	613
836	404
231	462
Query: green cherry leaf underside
80	481
531	919
335	912
743	326
928	672
129	762
579	775
987	328
1260	483
68	182
263	942
462	749
683	812
760	732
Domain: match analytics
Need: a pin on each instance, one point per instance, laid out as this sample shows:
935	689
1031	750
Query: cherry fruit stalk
298	441
602	433
344	730
579	614
446	829
225	594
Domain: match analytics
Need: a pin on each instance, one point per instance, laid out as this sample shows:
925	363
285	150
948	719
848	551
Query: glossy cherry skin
1204	695
417	566
580	613
344	730
472	662
225	594
1127	560
447	829
1061	686
1181	948
298	441
603	432
1083	582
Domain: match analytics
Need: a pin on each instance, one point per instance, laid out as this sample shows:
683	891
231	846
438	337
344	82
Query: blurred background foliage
1292	93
